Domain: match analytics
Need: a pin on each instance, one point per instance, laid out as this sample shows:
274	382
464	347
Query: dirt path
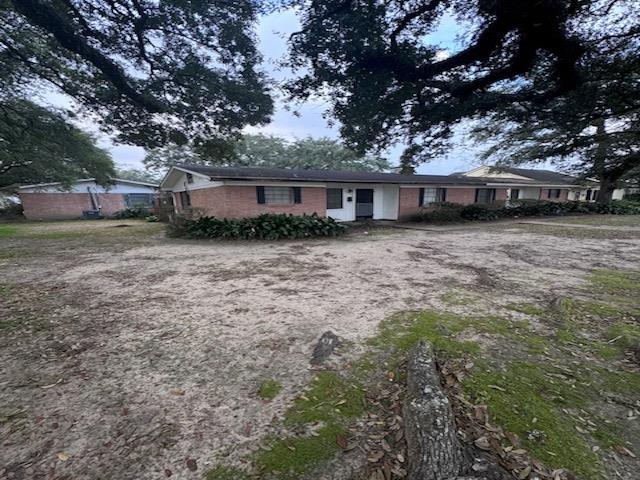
151	356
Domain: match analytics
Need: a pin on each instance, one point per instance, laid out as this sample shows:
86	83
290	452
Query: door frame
373	191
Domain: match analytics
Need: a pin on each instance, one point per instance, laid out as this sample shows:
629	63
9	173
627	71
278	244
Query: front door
364	203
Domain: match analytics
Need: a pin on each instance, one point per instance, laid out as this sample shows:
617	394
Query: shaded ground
129	355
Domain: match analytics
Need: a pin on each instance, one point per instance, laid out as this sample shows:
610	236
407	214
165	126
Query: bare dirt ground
129	355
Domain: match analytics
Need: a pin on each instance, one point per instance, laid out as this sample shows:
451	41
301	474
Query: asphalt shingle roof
247	173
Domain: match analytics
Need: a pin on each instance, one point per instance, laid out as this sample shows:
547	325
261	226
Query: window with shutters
334	198
278	195
434	195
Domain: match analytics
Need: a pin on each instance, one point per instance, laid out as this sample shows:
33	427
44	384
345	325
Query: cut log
325	347
434	452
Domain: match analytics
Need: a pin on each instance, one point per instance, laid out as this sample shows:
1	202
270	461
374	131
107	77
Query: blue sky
272	32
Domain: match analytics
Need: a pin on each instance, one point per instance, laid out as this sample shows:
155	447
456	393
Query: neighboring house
246	191
50	201
531	184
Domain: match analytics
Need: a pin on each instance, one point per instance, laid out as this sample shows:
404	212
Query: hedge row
268	226
451	212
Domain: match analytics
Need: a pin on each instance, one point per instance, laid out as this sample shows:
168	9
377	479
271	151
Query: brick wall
409	198
240	202
462	196
64	205
111	203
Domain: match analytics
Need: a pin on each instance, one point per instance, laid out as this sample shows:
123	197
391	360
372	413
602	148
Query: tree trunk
607	186
434	452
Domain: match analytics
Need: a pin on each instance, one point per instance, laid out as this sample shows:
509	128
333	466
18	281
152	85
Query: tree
137	175
388	80
152	71
593	131
268	151
38	145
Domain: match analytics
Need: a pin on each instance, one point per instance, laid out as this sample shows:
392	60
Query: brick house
50	201
236	192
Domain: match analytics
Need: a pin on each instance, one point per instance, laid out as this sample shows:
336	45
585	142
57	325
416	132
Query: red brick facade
410	197
233	201
54	206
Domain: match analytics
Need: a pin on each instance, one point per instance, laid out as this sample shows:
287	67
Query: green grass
616	281
269	389
7	231
527	402
624	335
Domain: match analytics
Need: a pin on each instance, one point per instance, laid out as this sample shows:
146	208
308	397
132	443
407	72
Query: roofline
80	180
182	169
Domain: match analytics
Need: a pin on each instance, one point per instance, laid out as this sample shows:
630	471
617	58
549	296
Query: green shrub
523	208
152	218
137	212
440	213
268	226
11	211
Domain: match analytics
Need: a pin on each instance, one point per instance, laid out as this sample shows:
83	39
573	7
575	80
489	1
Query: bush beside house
264	227
450	212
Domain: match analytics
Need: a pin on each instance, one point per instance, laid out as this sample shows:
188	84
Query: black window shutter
260	194
444	195
477	193
421	197
549	194
297	195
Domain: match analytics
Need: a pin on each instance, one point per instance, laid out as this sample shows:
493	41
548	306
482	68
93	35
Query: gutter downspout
94	200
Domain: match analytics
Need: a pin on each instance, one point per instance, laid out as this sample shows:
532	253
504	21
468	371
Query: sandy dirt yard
128	355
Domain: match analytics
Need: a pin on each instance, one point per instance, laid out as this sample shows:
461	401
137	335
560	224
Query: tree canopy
269	151
152	72
138	175
39	145
389	81
594	130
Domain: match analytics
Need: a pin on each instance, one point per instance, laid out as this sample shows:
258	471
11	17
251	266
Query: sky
272	32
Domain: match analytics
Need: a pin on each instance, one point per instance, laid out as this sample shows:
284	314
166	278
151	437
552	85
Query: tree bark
607	187
433	449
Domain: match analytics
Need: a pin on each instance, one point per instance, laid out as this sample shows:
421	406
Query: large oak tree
37	145
388	81
152	71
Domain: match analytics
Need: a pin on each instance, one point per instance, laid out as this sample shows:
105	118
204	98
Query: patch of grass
525	399
269	389
577	232
295	456
527	309
605	220
455	298
624	335
616	282
441	329
7	231
226	473
329	399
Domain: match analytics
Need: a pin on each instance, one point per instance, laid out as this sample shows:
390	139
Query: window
515	194
554	193
594	197
433	195
185	199
139	200
189	178
334	198
279	195
485	195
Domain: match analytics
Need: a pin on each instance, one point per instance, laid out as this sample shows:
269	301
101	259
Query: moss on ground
8	231
456	298
539	386
269	389
227	473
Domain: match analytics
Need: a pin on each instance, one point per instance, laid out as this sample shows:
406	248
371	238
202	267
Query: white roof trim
180	169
